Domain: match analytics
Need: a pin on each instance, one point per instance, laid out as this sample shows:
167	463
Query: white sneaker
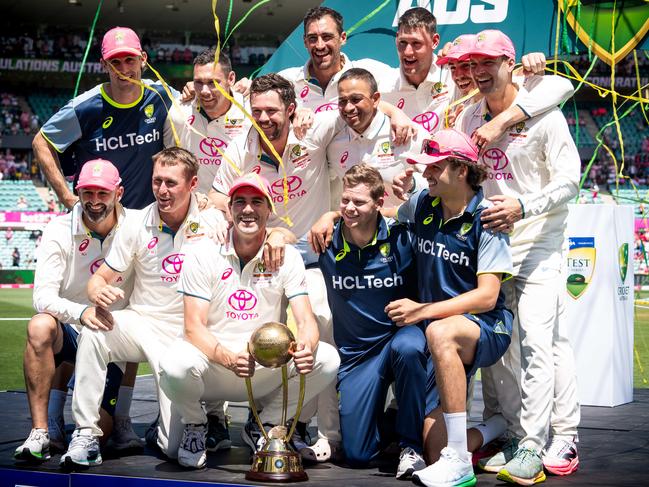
449	471
35	448
83	451
409	462
192	452
123	437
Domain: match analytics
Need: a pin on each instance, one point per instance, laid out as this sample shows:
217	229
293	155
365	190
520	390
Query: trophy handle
284	393
298	409
253	407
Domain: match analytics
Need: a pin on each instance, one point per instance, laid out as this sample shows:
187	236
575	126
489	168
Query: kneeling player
461	266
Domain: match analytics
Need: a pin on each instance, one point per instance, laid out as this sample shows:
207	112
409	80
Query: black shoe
151	435
218	434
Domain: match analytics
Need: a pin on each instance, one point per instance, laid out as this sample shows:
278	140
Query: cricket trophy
272	345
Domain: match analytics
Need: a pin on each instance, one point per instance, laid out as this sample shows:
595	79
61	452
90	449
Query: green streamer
367	17
227	21
85	54
263	2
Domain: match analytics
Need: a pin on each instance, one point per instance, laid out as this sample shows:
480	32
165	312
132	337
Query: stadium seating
10	191
25	246
45	105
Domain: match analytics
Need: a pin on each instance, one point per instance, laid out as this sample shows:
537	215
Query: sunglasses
432	148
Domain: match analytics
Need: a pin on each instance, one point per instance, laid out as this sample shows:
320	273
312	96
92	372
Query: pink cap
254	181
99	173
493	43
444	144
120	41
460	48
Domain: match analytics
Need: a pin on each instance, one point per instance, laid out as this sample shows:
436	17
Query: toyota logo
292	182
210	146
428	120
226	273
242	300
327	107
496	159
173	264
96	265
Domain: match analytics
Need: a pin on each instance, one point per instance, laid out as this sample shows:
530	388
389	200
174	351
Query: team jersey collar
233	110
192	217
435	74
112	102
468	212
306	73
228	250
372	131
79	227
253	146
341	245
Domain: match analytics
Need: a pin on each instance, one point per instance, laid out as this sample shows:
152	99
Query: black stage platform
614	451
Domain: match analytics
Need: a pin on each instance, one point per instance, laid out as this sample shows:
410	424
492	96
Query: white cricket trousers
548	401
187	377
326	403
134	338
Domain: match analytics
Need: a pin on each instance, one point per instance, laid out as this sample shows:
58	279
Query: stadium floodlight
75	3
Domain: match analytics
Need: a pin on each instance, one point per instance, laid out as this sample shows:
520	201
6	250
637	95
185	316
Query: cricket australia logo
623	291
148	113
581	264
384	250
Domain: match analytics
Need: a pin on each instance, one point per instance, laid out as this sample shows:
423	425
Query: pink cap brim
246	184
98	183
425	159
122	51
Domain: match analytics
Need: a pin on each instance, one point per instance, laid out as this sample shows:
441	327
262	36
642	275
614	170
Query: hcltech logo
581	264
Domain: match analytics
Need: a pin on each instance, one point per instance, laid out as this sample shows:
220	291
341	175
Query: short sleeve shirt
241	297
207	138
361	282
93	125
155	255
452	254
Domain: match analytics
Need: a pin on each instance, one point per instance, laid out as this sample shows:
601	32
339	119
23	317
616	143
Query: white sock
56	404
123	406
492	428
456	433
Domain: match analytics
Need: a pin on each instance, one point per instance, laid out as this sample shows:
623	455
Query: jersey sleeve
293	274
51	265
196	276
563	163
122	251
325	127
63	128
543	93
407	211
494	254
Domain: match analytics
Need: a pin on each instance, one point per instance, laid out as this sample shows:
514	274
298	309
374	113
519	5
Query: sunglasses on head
432	148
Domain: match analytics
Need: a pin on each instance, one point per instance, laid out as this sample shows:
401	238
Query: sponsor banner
599	315
27	216
47	66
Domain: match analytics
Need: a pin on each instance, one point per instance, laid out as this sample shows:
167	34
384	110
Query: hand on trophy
303	358
245	364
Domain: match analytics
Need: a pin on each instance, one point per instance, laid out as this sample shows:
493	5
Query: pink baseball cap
460	48
254	181
444	144
493	43
99	173
120	41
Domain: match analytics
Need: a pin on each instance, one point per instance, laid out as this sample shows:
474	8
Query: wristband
522	208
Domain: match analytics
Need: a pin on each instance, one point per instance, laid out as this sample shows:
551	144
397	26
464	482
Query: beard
98	215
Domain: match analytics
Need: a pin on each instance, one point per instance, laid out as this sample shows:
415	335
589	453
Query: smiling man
148	244
119	120
211	360
206	125
369	264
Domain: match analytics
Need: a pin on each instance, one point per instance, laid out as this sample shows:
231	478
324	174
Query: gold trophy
272	345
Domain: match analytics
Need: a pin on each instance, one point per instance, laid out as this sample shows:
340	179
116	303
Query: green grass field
17	304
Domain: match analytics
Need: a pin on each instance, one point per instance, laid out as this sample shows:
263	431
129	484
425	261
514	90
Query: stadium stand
11	192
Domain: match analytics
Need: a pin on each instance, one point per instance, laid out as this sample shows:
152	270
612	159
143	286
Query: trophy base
274	466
